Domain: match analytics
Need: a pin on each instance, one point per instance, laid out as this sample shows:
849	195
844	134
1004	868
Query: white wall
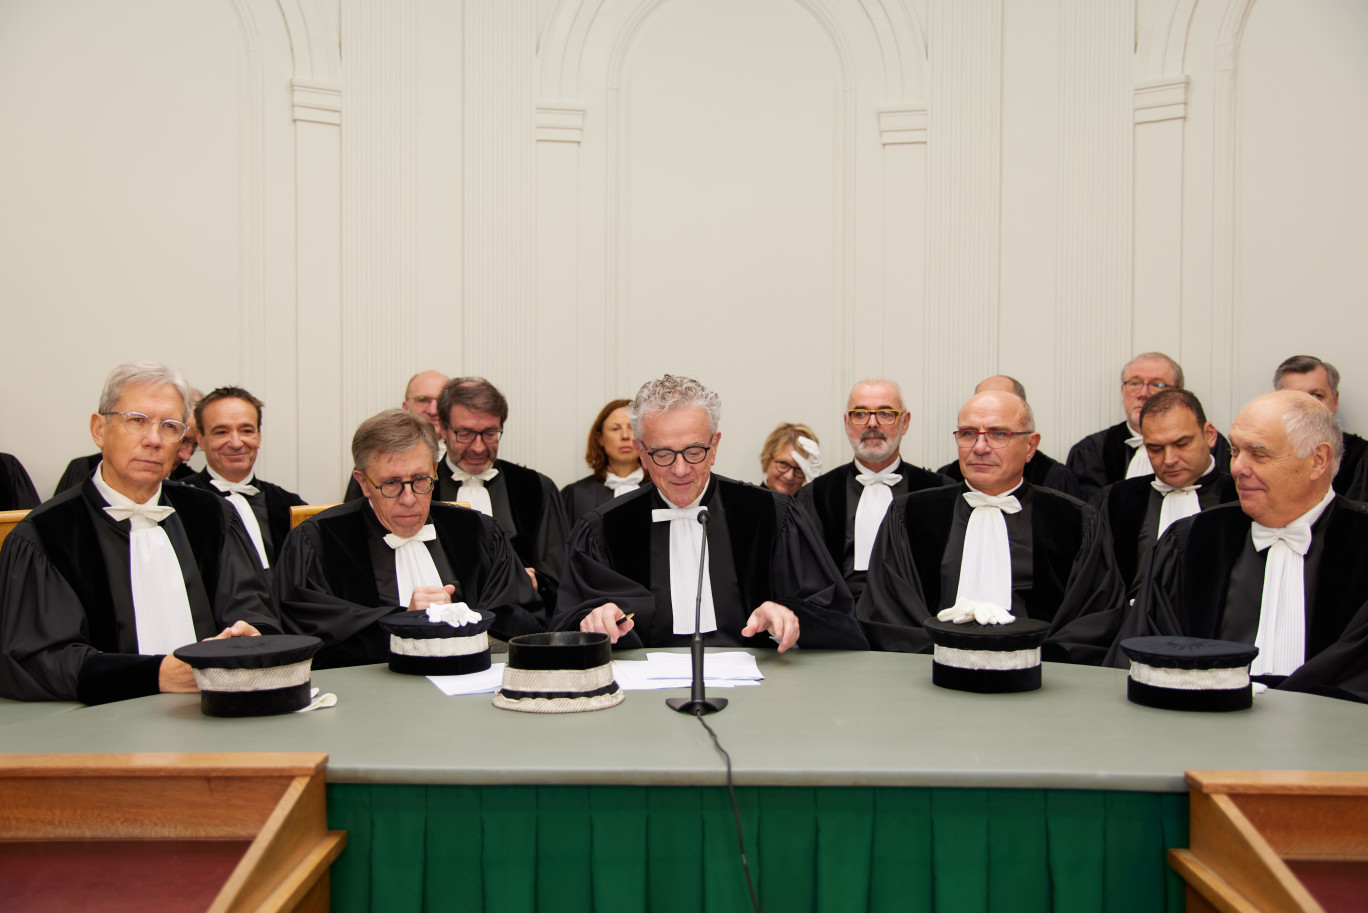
317	199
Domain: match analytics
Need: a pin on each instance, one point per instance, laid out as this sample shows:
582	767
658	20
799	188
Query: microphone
697	703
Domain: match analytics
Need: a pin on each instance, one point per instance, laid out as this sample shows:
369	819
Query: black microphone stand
697	703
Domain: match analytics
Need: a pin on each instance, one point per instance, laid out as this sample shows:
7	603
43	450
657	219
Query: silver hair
1030	415
880	380
1310	422
149	373
391	431
671	392
1144	356
1305	364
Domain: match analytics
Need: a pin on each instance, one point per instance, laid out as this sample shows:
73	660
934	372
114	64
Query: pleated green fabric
575	849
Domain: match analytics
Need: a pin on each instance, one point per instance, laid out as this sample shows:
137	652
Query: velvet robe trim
829	492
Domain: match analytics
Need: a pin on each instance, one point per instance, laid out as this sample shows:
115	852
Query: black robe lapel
68	534
829	499
1056	537
928	529
1127	506
345	541
1343	577
1213	543
1115	455
523	487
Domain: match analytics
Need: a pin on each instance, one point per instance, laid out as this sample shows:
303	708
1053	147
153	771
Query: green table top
818	719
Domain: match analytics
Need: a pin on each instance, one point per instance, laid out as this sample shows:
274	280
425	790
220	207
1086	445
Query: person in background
790	458
1321	379
16	488
612	457
420	398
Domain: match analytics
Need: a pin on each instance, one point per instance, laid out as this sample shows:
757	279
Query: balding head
1001	382
995	464
420	396
1284	450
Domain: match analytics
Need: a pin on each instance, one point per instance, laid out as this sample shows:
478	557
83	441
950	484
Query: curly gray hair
672	392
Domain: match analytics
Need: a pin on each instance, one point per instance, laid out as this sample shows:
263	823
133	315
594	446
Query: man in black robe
344	569
16	488
1114	453
101	583
1041	470
420	398
1321	379
632	564
849	502
229	422
525	503
1057	566
1230	572
1186	479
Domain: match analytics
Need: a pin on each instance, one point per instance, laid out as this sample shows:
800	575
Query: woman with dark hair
790	458
611	454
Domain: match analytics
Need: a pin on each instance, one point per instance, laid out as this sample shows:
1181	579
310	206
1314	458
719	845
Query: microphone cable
736	811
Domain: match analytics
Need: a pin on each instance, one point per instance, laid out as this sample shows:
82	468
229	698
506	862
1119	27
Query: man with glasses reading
100	584
632	565
1116	453
344	569
849	502
994	540
525	503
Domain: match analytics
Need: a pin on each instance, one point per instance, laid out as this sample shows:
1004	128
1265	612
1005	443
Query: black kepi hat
420	646
559	672
987	659
1189	673
252	676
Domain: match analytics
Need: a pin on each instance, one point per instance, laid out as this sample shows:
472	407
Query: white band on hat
1190	679
439	646
253	679
987	660
557	679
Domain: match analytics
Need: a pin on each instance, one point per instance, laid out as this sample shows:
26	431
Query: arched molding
1161	42
314	43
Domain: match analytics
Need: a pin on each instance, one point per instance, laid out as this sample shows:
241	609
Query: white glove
807	458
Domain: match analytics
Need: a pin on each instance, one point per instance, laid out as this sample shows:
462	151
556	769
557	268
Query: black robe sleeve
1088	465
549	556
591	581
16	488
807	582
893	608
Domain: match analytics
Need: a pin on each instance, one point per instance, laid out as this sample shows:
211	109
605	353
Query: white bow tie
235	488
664	514
152	513
1007	503
462	476
889	477
1165	488
426	534
629	482
1297	537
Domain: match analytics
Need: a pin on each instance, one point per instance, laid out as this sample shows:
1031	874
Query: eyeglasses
1154	386
785	467
393	488
666	457
422	400
491	436
885	416
996	439
135	423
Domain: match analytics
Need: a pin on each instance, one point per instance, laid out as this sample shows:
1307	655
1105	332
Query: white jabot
237	496
472	490
1178	502
986	565
686	542
413	565
1139	464
161	609
874	501
620	485
1282	612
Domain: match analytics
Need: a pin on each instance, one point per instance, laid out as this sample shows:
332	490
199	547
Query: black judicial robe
584	495
1042	471
335	579
1132	507
16	488
271	506
1101	458
1352	478
67	627
528	507
1207	581
82	468
761	547
1062	568
832	499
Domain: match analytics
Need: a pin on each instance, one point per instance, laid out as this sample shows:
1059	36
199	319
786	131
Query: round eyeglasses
664	456
135	423
393	488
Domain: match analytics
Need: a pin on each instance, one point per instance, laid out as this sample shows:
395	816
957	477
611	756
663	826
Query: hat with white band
252	676
987	659
1189	673
559	672
420	645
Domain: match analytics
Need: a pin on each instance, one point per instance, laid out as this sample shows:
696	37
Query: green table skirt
519	849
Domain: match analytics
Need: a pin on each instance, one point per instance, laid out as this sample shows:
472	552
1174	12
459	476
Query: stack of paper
675	670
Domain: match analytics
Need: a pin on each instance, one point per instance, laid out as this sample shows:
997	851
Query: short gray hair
1310	422
391	431
1305	364
1145	356
672	392
148	373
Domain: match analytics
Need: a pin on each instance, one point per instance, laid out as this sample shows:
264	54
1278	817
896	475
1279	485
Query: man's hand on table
776	619
605	620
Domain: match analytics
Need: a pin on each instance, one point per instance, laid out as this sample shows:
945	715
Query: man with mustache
849	502
995	539
1283	569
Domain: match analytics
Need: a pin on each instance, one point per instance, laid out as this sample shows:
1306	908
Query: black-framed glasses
1154	386
135	423
489	436
664	456
393	488
785	467
885	416
996	439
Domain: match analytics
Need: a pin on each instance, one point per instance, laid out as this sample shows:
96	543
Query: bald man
1040	470
942	548
1232	572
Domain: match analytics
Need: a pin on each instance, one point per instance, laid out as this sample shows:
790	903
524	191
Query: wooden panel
8	519
1310	827
1280	782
